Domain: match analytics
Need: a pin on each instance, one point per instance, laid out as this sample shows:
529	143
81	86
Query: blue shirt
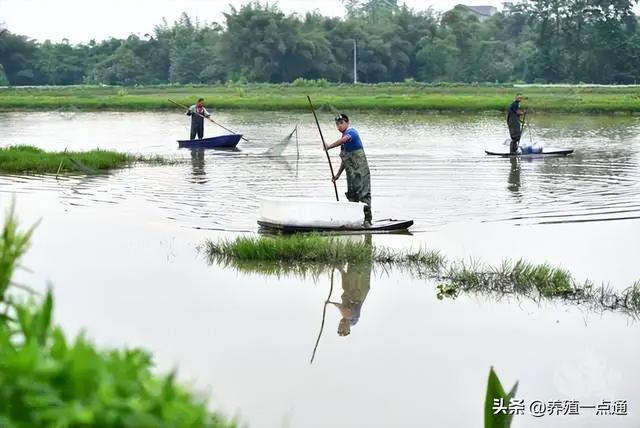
355	143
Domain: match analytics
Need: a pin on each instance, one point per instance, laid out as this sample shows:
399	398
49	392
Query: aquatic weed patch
301	254
30	159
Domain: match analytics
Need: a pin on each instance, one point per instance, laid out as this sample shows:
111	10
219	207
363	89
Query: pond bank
364	97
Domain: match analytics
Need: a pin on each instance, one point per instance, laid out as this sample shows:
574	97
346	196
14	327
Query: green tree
18	56
60	64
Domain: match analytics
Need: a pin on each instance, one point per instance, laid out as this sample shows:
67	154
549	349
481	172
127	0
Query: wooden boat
308	215
545	152
211	142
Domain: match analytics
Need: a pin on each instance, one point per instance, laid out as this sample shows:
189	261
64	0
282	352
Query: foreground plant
13	244
47	380
497	398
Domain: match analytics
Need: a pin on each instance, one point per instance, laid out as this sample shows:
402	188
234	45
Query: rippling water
120	249
431	168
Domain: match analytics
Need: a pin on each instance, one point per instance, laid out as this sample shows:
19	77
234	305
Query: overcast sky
82	20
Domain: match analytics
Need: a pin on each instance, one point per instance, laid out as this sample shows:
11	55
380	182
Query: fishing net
280	147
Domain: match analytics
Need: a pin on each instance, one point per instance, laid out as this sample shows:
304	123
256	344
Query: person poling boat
197	113
354	161
194	112
515	121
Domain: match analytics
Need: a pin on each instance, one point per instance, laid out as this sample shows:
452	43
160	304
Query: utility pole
355	62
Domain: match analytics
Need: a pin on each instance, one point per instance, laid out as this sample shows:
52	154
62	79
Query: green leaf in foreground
497	398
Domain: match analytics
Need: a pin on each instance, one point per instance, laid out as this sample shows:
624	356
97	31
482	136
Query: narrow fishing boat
544	152
309	215
211	142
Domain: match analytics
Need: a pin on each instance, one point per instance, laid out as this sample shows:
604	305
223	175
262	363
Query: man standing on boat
197	113
514	122
355	162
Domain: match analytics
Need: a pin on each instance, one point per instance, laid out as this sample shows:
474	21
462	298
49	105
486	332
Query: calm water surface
120	252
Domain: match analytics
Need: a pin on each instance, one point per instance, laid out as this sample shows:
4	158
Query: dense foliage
533	41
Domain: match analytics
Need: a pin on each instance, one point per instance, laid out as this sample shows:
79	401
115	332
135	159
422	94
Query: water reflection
198	172
514	175
356	282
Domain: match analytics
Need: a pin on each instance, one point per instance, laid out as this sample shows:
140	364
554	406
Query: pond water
121	253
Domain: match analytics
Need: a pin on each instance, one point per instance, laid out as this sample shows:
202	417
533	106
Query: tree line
545	41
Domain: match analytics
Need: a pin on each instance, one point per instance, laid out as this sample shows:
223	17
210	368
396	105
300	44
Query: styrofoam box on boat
308	212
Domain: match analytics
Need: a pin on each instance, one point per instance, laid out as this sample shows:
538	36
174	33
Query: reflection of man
197	166
514	174
356	280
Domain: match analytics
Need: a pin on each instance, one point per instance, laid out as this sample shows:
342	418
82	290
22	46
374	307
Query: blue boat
211	142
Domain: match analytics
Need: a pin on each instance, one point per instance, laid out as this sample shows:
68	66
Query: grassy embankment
19	159
312	253
379	97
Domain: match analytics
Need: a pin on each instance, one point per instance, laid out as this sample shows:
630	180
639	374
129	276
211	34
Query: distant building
480	12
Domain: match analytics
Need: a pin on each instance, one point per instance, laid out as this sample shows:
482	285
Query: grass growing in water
312	253
299	250
19	159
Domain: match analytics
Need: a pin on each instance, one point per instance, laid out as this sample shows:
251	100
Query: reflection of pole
355	62
324	313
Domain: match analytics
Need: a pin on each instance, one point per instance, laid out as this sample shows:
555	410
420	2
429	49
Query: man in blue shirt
515	123
354	161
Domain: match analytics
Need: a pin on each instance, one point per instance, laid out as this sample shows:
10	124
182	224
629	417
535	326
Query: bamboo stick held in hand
324	147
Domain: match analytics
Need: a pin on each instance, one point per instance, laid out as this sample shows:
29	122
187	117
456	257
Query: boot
513	147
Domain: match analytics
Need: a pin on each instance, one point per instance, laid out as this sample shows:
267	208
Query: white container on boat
307	212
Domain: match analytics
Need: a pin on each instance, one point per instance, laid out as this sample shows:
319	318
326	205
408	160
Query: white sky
81	20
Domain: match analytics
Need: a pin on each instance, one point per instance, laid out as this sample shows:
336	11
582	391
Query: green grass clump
548	280
47	380
521	278
304	253
29	159
299	248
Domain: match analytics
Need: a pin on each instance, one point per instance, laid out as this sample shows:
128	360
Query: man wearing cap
197	113
354	161
514	123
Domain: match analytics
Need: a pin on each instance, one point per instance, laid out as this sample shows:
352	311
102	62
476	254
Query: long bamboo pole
324	147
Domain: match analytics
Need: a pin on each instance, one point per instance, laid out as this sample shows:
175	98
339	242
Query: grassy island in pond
312	253
408	96
20	159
